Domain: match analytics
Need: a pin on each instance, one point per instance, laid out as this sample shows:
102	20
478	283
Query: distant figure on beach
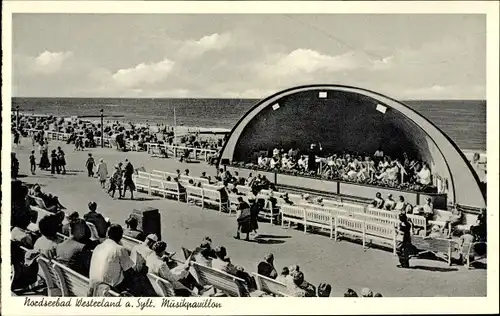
54	163
128	182
61	159
90	165
32	162
102	172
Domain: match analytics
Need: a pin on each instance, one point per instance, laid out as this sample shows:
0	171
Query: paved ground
342	264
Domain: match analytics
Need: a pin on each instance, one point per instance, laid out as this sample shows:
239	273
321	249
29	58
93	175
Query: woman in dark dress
44	160
404	245
54	162
61	159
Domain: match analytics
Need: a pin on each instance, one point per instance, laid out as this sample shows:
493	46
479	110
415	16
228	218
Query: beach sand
342	264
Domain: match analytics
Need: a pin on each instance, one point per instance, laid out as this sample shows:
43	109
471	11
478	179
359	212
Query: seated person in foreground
51	202
132	230
204	254
266	267
47	243
402	206
427	210
455	219
20	232
97	219
180	278
71	218
140	252
283	277
221	262
74	252
299	287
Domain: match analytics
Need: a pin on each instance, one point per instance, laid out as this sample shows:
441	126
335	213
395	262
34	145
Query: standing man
90	165
61	159
243	217
33	162
404	245
127	175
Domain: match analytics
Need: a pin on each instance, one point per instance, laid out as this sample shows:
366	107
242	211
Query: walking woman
405	246
102	172
54	162
44	160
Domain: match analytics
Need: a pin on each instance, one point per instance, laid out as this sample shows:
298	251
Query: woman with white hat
102	172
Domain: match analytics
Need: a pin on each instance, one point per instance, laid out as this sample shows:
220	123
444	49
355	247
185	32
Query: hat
389	195
366	292
73	215
306	196
101	160
152	237
268	256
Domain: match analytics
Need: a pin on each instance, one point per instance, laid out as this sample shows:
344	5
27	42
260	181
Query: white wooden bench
320	219
270	286
164	174
194	195
440	247
332	203
47	272
470	255
382	233
161	286
227	283
243	189
292	214
353	208
418	221
350	226
214	197
142	183
71	282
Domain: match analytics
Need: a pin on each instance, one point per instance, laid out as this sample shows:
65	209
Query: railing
178	150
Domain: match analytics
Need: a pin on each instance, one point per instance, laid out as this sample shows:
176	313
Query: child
90	165
33	162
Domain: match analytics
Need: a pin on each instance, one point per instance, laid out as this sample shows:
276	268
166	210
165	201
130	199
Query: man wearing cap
97	219
243	217
140	252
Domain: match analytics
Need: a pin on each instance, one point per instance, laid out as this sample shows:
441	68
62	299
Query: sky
247	56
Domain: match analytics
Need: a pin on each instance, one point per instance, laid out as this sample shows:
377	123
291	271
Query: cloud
213	42
46	63
143	74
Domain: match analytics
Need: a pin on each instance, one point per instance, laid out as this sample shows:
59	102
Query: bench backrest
221	280
49	275
375	219
212	194
71	282
432	244
333	203
381	213
162	287
93	231
349	223
417	220
380	230
211	187
353	208
291	210
269	285
319	216
192	190
171	186
129	242
243	189
141	180
335	211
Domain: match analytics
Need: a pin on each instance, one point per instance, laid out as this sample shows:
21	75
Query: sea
464	121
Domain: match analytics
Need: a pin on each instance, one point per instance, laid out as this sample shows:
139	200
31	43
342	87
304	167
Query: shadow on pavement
438	269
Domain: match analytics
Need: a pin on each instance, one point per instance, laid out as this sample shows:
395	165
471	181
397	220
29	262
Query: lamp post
102	129
17	117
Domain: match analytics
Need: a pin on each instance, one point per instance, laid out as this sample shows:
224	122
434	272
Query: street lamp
102	129
17	116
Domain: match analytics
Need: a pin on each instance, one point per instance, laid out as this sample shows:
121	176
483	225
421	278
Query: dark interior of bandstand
342	122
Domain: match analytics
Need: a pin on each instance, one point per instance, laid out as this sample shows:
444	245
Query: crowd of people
104	260
376	169
83	133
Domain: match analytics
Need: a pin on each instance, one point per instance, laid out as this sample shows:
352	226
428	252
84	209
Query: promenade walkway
343	264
